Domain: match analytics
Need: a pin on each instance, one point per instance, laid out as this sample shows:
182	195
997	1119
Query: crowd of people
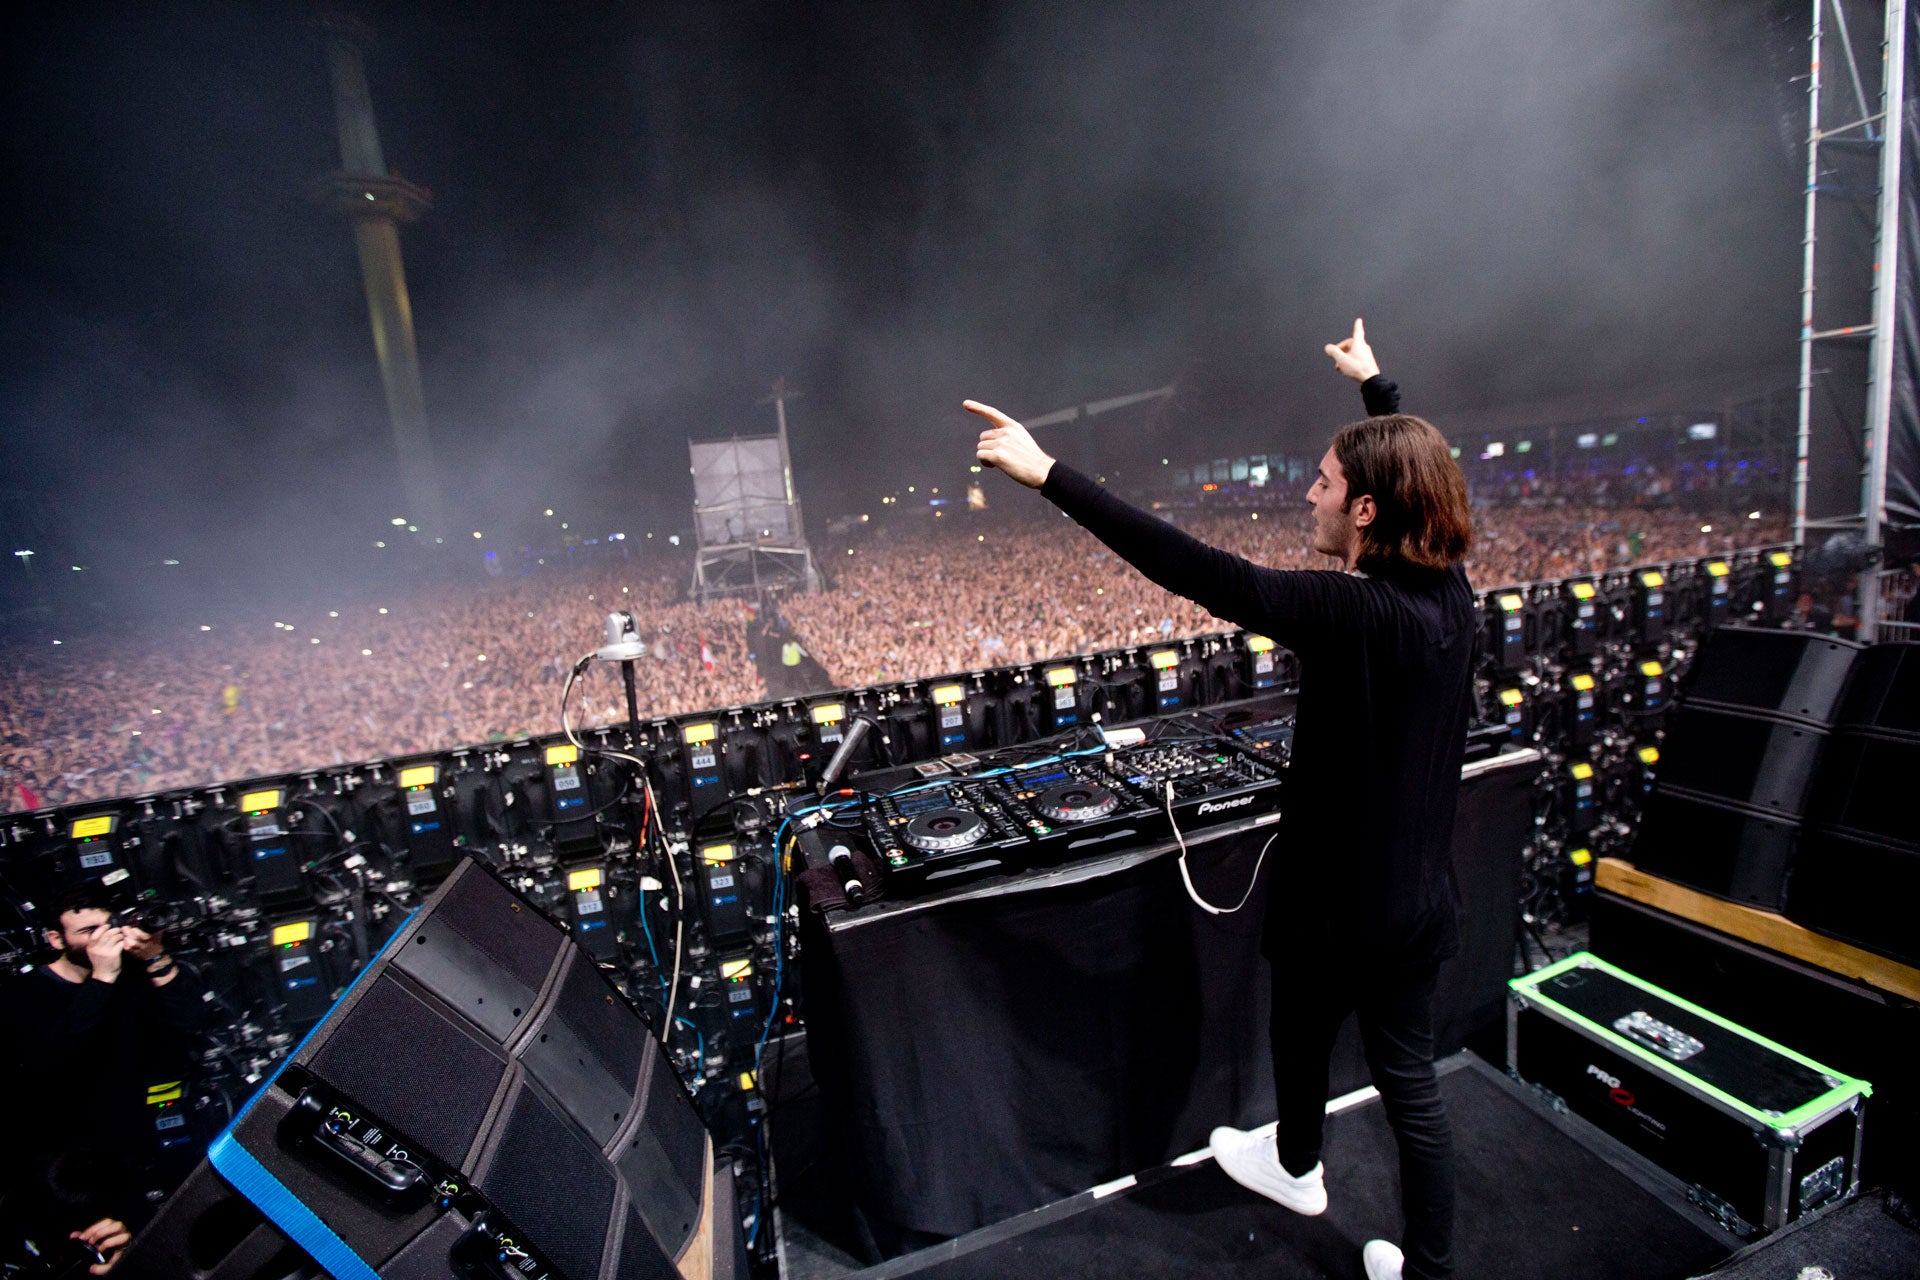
468	663
943	600
460	664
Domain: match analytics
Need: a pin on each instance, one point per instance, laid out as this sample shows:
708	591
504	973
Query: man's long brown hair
1418	492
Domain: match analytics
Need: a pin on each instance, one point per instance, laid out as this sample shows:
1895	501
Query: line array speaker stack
1753	723
482	1103
1858	874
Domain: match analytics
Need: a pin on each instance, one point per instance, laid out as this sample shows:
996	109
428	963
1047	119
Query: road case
1761	1134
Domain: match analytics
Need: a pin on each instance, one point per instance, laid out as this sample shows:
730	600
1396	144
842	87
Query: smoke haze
645	216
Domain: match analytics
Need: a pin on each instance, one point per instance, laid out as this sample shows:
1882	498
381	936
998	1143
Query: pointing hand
1007	446
1352	356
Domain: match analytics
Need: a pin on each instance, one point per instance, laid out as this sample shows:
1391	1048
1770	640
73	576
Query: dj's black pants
1396	1029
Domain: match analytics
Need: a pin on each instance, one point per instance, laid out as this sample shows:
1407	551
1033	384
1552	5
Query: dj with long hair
1363	906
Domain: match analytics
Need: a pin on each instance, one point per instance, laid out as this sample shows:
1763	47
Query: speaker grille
663	1161
489	916
1722	849
1789	672
1885	690
553	1186
414	1066
1866	785
1755	760
640	1257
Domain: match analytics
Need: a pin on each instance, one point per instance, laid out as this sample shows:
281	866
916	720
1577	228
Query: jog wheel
1075	802
943	830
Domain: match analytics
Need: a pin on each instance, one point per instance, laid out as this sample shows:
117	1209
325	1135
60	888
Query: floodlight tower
376	202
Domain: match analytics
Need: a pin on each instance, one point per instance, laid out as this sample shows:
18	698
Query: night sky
646	213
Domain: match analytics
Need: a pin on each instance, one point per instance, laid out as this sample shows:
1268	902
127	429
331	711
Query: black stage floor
1540	1195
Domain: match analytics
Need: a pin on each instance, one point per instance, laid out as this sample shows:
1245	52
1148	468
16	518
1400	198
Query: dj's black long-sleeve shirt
1366	873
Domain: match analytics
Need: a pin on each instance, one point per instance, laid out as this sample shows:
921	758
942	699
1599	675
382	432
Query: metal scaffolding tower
377	202
746	516
1852	198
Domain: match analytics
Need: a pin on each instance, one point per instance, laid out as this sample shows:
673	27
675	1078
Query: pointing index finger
988	412
1359	330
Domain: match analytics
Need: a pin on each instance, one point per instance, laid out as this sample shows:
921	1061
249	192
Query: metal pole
1806	286
1886	287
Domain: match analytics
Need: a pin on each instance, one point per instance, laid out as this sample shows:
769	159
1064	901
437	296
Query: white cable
679	906
1187	877
653	816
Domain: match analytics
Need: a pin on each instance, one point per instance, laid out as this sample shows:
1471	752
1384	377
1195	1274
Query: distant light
909	488
1523	446
77	569
438	540
315	640
1495	449
169	562
563	524
1099	591
56	642
936	491
975	468
369	195
379	544
23	554
476	533
549	510
1254	516
1706	528
1753	515
383	609
1612	438
205	627
979	537
849	550
674	538
1163	462
1586	440
399	519
366	653
333	613
414	528
1703	431
864	517
623	591
156	711
483	657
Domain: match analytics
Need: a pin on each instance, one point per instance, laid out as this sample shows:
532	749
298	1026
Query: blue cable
647	928
702	1040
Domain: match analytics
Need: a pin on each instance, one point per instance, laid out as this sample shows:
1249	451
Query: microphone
842	859
856	730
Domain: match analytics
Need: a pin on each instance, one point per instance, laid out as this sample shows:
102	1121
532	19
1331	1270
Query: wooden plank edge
1762	928
696	1260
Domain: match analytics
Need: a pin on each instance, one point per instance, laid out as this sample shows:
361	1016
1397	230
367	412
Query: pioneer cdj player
965	816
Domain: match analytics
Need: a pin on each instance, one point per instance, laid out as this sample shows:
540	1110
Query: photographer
86	1035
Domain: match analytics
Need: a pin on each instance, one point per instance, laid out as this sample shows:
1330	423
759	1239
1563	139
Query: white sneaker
1254	1163
1382	1260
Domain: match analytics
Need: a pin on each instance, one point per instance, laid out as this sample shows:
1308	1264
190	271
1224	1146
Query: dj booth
989	1048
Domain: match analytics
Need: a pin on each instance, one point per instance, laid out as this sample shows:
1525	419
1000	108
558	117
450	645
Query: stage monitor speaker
1725	849
1859	890
481	1081
1791	673
1885	691
1866	786
1759	760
